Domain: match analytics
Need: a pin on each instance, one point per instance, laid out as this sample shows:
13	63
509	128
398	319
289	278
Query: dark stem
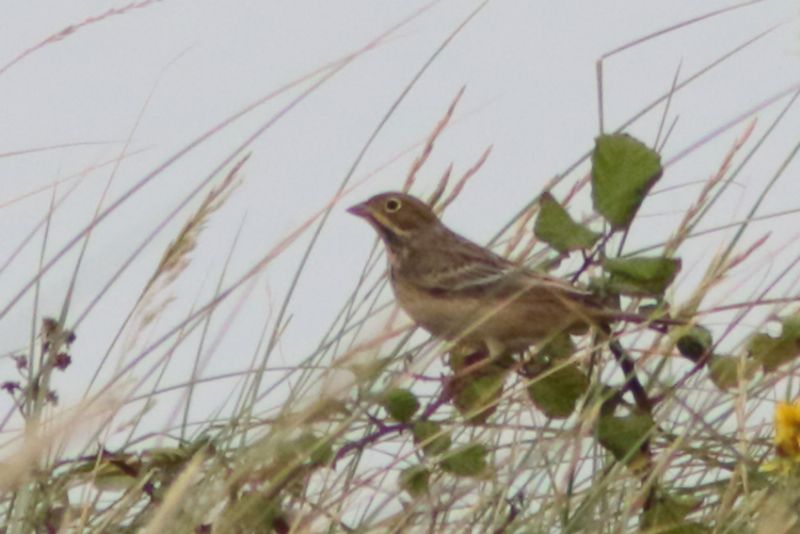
643	402
588	259
515	504
632	383
359	444
385	430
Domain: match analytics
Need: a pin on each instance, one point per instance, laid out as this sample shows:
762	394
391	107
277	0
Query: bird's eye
393	205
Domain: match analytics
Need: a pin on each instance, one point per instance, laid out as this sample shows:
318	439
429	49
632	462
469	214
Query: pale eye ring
392	205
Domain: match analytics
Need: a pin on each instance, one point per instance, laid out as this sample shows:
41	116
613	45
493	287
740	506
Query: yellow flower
787	430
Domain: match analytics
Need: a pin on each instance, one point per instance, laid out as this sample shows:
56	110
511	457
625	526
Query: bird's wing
453	264
467	276
464	268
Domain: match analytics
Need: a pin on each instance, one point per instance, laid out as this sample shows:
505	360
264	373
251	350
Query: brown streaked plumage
461	291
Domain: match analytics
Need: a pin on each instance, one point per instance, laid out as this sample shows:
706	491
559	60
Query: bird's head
397	217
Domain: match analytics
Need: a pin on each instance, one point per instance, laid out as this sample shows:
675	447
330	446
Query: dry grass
326	456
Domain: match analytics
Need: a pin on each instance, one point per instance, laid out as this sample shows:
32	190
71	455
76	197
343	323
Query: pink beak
359	210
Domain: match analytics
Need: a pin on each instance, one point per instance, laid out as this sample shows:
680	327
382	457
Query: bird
463	292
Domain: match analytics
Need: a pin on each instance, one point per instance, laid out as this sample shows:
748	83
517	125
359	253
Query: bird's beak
359	210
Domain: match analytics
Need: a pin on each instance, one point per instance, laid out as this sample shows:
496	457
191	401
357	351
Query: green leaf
694	342
400	404
414	480
558	347
555	227
642	276
624	436
557	392
466	461
477	383
476	396
600	287
724	371
623	171
668	515
429	435
773	352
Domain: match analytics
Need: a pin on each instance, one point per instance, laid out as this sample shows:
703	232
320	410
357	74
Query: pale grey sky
184	66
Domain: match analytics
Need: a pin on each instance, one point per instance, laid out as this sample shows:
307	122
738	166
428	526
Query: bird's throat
390	238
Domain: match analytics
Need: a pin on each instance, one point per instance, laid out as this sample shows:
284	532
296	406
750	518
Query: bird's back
456	287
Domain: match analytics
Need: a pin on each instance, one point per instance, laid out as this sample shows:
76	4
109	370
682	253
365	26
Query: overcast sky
164	74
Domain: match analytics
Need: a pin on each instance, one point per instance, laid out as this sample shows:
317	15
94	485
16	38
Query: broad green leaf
558	347
400	404
477	383
429	435
556	393
694	342
624	436
555	227
642	276
603	292
414	480
668	514
773	352
466	461
623	171
476	396
724	371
